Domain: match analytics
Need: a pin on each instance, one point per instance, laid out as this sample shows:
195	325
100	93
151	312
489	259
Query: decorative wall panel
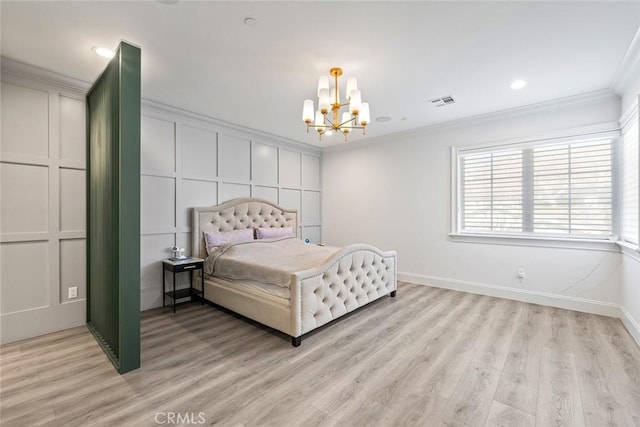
311	203
266	193
157	202
157	139
290	168
24	211
234	191
17	269
73	129
153	247
311	167
196	193
235	158
25	121
42	185
290	199
73	201
199	153
73	268
265	164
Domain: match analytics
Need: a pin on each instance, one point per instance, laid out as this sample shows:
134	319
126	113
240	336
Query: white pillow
267	233
213	239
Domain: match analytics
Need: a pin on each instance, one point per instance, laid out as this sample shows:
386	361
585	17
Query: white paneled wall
42	188
189	161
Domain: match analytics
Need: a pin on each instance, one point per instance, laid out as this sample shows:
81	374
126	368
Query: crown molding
628	115
581	99
18	72
629	67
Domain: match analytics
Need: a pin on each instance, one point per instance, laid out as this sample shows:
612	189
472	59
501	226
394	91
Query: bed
349	278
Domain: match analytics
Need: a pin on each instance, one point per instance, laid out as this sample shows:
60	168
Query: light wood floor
428	357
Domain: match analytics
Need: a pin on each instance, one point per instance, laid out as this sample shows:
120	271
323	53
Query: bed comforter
266	260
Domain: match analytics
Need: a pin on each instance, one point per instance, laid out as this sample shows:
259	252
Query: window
492	191
629	191
546	189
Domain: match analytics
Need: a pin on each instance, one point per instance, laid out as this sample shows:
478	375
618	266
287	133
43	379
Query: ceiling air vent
441	102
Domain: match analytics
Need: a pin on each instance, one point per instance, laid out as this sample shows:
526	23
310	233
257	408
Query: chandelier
329	101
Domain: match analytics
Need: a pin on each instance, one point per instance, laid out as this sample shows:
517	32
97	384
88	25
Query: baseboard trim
542	298
31	323
630	323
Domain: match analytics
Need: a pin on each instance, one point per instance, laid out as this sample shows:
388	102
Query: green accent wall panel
113	209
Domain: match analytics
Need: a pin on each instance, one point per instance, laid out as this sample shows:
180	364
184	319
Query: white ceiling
200	56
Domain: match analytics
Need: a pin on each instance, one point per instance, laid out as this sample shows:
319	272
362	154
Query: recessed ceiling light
383	119
250	22
518	84
103	51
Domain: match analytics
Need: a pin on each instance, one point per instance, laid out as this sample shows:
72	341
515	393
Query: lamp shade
323	102
307	111
352	84
319	121
346	118
323	83
355	102
364	114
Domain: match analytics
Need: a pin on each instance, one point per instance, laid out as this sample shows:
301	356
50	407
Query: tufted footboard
354	277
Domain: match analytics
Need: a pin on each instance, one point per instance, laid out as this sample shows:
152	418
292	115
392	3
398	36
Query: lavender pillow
213	239
267	233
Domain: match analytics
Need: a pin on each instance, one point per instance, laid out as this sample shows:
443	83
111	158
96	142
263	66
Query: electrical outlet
521	273
73	292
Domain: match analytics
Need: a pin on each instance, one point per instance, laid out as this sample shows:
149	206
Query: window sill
535	241
629	249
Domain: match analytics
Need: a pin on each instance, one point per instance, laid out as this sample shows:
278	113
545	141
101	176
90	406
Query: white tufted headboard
238	214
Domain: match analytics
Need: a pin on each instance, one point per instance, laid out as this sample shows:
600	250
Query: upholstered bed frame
353	277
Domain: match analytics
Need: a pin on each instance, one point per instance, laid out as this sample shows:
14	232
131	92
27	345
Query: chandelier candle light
329	100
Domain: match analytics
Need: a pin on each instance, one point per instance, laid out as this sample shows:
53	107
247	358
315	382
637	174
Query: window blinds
492	191
557	189
572	189
629	191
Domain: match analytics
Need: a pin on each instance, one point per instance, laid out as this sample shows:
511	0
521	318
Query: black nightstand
179	266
